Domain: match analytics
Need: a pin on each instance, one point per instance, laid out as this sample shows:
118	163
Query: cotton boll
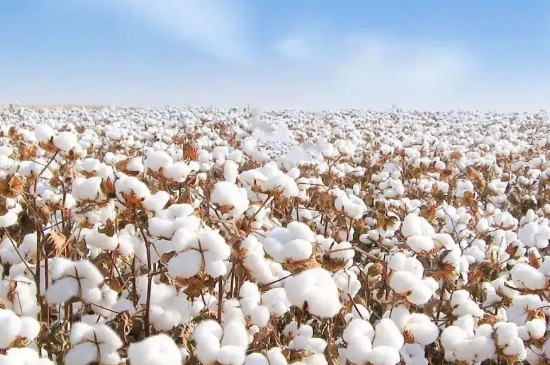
65	141
276	357
260	316
62	290
43	133
89	271
9	219
157	160
387	334
536	327
157	201
236	334
88	189
11	327
155	350
84	353
316	288
215	244
422	329
30	328
452	336
256	358
177	171
207	348
159	227
357	328
230	171
231	355
384	355
526	276
358	349
301	230
229	198
411	225
100	240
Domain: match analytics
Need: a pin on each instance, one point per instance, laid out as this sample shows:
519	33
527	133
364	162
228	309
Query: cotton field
176	236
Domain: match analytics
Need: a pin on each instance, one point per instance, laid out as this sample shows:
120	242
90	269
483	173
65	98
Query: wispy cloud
216	27
368	71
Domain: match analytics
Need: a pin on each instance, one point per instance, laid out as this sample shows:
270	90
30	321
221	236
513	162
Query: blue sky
312	54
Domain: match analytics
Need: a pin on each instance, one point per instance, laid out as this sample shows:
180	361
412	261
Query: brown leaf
55	243
109	228
27	151
191	152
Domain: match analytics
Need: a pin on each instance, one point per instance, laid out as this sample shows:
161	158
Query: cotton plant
422	239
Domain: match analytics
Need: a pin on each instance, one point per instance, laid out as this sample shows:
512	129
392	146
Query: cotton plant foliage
231	236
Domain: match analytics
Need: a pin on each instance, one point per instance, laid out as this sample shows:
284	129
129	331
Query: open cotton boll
507	338
316	288
230	171
231	355
281	183
155	350
100	240
22	300
526	276
127	185
420	243
275	356
411	225
384	355
157	201
93	343
159	227
177	171
43	133
358	328
157	160
11	327
421	328
9	219
65	141
293	243
351	205
229	198
387	334
256	358
23	356
88	189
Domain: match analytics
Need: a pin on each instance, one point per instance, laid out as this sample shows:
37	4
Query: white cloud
217	27
366	71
